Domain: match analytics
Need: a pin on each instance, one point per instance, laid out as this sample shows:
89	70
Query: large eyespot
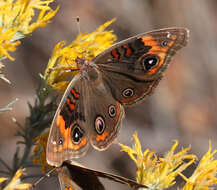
77	134
99	125
112	111
128	92
149	61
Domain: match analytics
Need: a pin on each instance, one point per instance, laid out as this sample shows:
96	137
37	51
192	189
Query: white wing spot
168	35
54	142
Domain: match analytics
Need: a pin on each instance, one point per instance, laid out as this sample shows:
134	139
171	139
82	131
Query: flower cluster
160	172
17	20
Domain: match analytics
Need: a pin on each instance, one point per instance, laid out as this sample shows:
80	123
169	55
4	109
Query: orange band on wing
149	41
61	123
75	94
66	133
77	146
68	188
115	54
128	51
156	49
71	105
127	100
102	137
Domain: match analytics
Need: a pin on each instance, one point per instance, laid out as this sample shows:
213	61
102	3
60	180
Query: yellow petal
2	179
15	182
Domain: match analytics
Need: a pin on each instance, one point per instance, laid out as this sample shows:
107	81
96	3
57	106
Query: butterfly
92	108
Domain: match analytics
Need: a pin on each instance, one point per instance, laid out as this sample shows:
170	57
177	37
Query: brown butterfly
92	108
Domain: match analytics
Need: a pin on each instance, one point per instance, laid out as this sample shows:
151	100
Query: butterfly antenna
78	24
79	32
44	176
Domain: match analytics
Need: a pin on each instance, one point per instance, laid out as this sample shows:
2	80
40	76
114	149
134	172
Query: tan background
184	105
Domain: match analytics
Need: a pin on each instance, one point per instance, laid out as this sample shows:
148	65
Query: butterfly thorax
87	69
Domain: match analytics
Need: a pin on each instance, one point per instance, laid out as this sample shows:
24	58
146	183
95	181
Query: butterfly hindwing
104	112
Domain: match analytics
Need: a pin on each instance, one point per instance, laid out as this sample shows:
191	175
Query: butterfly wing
82	178
69	136
104	112
76	178
134	67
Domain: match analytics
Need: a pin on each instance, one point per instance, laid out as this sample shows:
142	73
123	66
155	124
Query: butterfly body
92	108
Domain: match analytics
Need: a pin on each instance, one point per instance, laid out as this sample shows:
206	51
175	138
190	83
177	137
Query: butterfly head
82	64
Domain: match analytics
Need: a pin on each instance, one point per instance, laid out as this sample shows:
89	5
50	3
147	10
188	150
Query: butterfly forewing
133	68
69	135
133	56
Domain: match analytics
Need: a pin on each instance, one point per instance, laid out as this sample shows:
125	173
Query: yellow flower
20	13
62	62
6	44
39	152
204	176
17	20
15	183
158	172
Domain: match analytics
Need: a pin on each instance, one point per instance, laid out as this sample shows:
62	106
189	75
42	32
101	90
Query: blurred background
183	107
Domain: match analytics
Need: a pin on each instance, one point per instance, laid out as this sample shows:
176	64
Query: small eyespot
60	142
77	134
165	43
149	62
112	111
99	125
128	92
